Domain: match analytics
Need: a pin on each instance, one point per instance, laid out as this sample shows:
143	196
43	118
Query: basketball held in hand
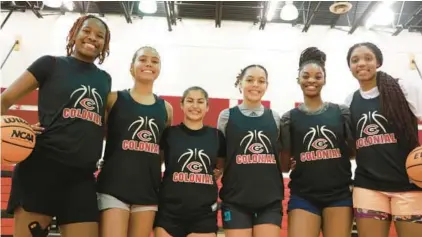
17	139
414	166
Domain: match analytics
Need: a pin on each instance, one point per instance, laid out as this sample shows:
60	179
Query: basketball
414	166
17	139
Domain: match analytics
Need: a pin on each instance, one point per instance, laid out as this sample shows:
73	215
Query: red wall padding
420	136
216	105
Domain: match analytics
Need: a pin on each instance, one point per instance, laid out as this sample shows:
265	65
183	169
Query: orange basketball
17	139
414	166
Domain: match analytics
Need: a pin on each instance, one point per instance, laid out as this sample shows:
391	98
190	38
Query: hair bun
312	54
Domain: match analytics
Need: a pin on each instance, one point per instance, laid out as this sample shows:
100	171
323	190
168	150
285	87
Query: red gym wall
216	105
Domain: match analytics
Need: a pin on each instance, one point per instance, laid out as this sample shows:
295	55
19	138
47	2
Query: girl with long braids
57	179
384	113
251	204
316	135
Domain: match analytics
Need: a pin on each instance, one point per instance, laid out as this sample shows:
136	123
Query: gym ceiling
344	15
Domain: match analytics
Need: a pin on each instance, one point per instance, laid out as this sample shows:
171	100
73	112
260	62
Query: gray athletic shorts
106	201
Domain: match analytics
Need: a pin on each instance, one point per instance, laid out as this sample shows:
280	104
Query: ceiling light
271	10
382	16
148	6
68	5
53	3
289	12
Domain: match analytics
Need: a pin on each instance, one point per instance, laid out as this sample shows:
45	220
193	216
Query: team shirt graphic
89	102
257	143
371	131
319	144
144	136
195	168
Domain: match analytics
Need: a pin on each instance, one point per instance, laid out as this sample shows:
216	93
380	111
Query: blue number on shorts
227	216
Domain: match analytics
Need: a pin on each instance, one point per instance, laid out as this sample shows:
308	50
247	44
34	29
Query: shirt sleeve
222	149
277	119
348	100
109	80
163	140
412	90
42	68
285	138
223	118
347	123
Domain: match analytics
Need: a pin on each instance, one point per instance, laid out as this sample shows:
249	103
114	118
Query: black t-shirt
318	144
379	157
252	178
131	170
71	107
189	187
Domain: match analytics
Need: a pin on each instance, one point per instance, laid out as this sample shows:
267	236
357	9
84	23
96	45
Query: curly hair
243	71
74	31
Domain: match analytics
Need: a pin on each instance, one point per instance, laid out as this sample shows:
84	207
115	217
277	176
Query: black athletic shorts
48	187
183	226
237	217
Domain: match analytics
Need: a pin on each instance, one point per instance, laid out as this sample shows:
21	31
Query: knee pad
37	231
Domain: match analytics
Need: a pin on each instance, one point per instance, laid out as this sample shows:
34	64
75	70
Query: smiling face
194	105
89	42
363	64
254	84
146	65
311	80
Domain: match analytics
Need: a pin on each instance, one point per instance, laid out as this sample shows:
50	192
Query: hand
217	173
37	129
292	164
100	163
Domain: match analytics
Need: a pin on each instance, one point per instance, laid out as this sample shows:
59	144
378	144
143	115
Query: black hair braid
393	102
312	55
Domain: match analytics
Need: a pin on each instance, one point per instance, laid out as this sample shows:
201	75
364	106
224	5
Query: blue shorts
296	202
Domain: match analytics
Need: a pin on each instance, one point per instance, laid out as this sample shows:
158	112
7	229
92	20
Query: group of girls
250	148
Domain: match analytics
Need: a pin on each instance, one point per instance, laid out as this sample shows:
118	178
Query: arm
111	100
285	139
222	153
412	90
169	109
163	144
223	118
169	122
35	76
347	125
25	84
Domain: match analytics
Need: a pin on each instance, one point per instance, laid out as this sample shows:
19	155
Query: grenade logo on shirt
370	130
144	132
194	162
90	102
257	143
319	144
